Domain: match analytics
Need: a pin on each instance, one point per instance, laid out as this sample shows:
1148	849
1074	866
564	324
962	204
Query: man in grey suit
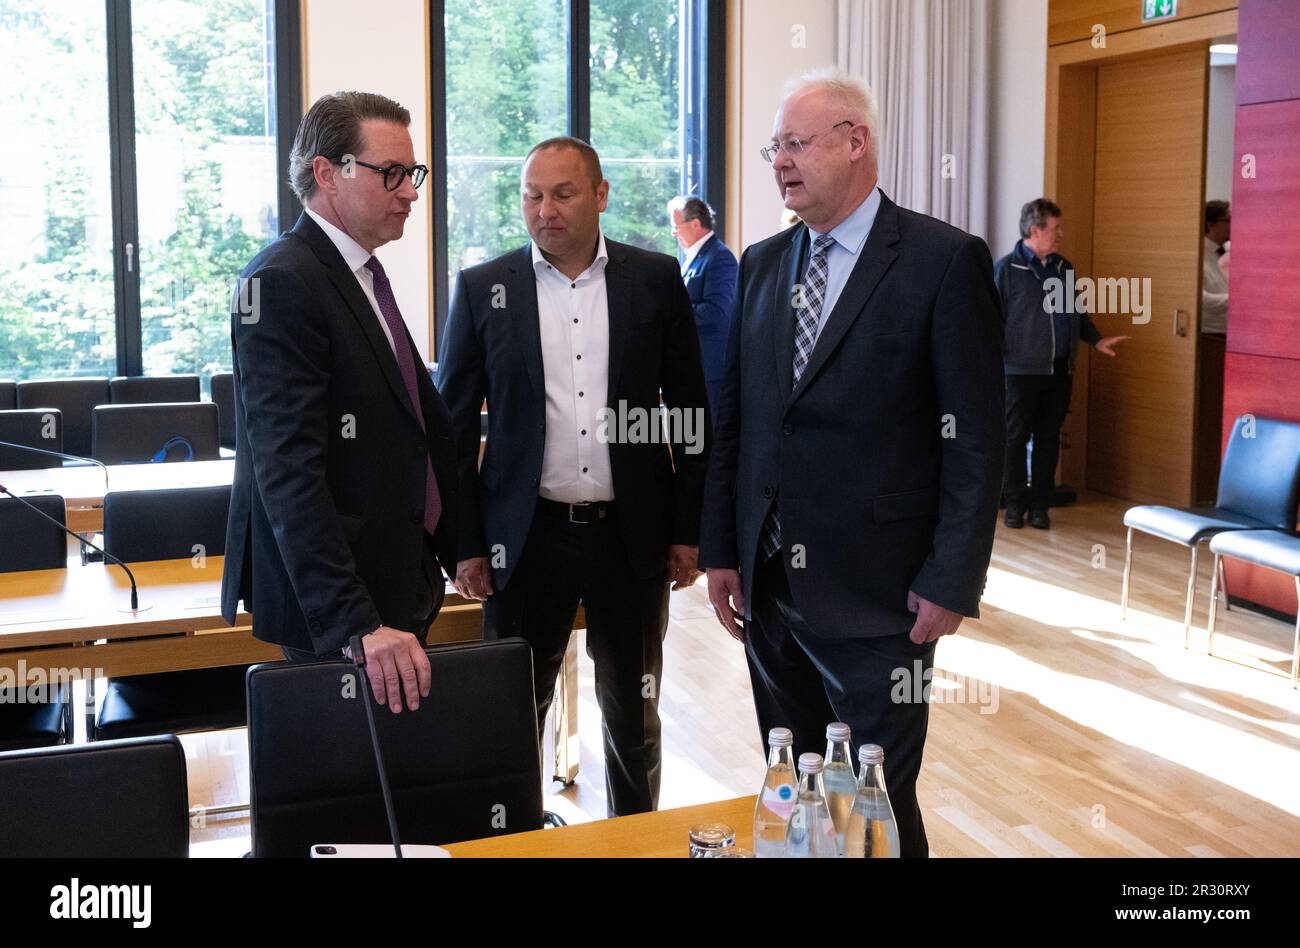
853	487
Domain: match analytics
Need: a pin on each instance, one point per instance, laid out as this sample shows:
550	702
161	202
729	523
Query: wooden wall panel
1069	20
1264	276
1073	151
1270	29
1150	155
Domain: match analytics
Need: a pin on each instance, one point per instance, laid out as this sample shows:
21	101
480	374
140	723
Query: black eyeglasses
394	174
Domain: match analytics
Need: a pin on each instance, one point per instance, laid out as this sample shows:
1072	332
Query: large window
640	79
142	173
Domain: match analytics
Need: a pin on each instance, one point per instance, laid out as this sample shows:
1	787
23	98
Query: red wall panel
1270	29
1262	374
1264	276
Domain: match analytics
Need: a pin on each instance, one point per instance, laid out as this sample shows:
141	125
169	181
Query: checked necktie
808	311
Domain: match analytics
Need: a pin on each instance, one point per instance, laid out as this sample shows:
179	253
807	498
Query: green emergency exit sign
1158	10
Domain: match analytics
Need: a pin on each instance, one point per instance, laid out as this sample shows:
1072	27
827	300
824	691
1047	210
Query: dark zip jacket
1029	338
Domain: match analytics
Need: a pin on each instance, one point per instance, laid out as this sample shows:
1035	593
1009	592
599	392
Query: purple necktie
406	365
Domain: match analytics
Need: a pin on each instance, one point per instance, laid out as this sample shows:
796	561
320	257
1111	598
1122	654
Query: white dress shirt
693	251
1214	291
355	256
573	316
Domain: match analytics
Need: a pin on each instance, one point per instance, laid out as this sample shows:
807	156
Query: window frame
705	75
287	21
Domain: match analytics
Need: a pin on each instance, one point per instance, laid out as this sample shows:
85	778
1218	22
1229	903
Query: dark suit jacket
495	352
887	456
326	531
711	282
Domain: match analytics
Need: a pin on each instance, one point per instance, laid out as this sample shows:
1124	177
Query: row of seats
139	526
120	434
1253	518
77	399
464	766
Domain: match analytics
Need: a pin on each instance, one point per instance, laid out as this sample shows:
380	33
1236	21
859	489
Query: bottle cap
780	737
810	763
838	731
871	754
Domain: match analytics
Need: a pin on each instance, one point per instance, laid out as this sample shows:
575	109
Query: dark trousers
804	680
1036	408
561	565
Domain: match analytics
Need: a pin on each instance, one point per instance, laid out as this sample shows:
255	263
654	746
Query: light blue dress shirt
850	237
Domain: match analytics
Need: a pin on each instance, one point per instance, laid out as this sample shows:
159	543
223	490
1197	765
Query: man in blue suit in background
709	272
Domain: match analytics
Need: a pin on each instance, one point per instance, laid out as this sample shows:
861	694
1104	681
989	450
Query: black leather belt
577	513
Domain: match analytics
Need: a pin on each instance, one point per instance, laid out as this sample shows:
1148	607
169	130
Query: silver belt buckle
571	509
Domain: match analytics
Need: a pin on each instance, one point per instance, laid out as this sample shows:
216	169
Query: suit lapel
783	309
877	256
618	290
521	284
345	282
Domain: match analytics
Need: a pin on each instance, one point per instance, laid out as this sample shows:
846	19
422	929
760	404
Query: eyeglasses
796	146
394	174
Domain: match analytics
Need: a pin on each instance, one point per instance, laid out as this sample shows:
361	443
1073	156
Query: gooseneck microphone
359	659
108	557
58	454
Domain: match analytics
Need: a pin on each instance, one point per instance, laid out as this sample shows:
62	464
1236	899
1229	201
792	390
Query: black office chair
8	394
223	396
148	389
143	525
91	801
28	541
36	427
163	431
1259	489
76	398
464	766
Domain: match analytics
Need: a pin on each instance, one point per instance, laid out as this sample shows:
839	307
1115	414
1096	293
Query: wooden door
1147	214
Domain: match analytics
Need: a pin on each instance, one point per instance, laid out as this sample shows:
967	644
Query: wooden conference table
646	835
79	618
83	487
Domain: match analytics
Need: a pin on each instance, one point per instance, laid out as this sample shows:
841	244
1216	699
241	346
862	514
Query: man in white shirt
583	495
1214	281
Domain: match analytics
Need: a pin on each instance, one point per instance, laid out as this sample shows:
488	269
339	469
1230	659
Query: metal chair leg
1295	651
1128	569
1191	597
1215	588
1223	585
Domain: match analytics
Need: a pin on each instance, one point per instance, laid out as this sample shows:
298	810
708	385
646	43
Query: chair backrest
223	396
1260	477
167	431
8	394
36	427
464	766
166	524
28	540
145	389
76	398
107	799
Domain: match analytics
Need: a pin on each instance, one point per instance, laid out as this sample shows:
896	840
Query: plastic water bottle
811	834
840	780
873	831
776	800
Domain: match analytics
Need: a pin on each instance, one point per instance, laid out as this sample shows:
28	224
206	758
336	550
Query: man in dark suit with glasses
342	508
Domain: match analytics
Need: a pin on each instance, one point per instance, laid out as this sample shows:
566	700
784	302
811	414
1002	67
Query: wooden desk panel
646	835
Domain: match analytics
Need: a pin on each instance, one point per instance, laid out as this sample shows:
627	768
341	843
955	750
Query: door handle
130	258
1179	328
